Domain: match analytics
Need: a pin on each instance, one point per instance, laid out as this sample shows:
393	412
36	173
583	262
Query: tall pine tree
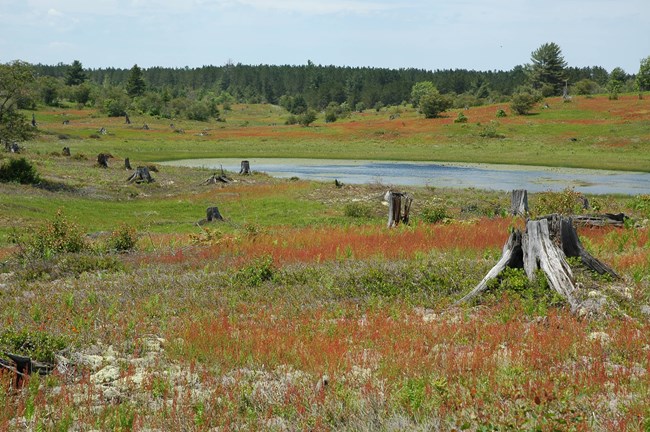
547	71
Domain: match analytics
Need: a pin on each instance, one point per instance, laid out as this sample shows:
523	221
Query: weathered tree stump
141	175
544	246
216	179
212	214
127	120
66	151
23	366
337	183
12	147
127	164
399	207
245	168
66	122
519	202
145	126
102	159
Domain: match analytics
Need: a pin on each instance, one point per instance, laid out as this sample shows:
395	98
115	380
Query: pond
441	174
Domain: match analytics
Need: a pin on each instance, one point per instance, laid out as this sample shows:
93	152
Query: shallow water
441	174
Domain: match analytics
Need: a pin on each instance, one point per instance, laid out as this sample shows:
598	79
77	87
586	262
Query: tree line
202	93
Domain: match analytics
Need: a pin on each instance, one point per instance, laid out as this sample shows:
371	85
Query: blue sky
470	34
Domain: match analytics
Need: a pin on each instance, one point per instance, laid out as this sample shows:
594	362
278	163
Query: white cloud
54	13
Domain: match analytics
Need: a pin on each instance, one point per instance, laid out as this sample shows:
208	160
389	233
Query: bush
19	171
55	237
259	271
566	202
461	118
434	214
37	345
523	101
490	131
501	113
123	239
357	210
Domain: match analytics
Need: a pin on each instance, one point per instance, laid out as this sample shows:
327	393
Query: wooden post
245	168
519	202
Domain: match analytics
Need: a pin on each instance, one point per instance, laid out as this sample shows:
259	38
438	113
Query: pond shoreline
440	174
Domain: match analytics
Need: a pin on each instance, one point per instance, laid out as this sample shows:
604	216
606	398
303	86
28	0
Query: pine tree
135	85
75	74
547	71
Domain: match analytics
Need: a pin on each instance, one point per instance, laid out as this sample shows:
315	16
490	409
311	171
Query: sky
434	34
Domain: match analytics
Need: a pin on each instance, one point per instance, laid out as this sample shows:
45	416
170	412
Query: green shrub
434	214
37	345
501	113
566	202
19	171
357	210
461	118
54	237
123	239
641	203
490	131
259	271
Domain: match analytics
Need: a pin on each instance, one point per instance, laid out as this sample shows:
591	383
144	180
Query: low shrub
461	118
19	171
434	214
123	239
37	345
357	210
54	237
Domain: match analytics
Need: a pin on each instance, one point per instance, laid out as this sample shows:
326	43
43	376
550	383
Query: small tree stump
127	120
141	175
519	202
245	168
398	213
212	214
66	151
127	164
102	159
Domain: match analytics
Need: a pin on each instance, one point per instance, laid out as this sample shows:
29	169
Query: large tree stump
212	214
399	207
245	168
519	202
127	164
544	246
66	151
141	175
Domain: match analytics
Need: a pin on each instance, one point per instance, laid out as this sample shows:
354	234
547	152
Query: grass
302	311
608	135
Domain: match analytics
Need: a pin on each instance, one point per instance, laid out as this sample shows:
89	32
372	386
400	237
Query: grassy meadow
302	311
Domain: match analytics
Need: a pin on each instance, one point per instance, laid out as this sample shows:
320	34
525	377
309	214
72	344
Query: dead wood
519	202
545	245
141	175
213	214
102	159
66	151
245	168
399	207
127	164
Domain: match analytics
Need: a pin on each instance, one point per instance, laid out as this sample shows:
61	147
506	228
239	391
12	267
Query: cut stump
213	214
399	208
245	168
519	202
141	175
544	246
